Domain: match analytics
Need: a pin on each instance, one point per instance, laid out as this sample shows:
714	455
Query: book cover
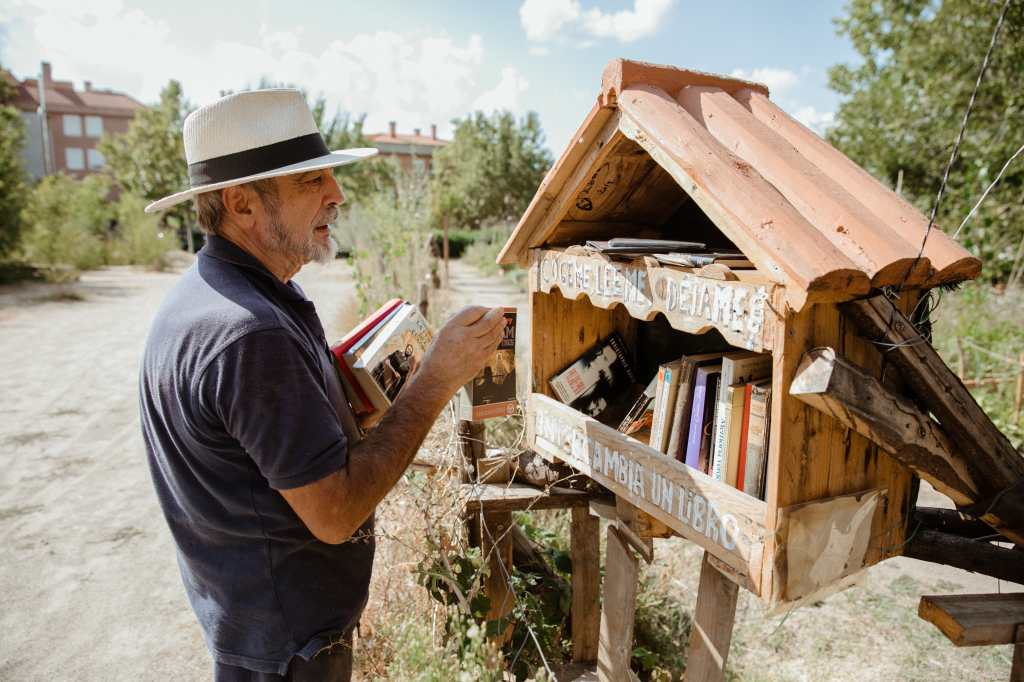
596	383
737	367
700	390
664	403
741	467
639	415
362	332
678	428
492	392
732	459
707	429
394	353
757	439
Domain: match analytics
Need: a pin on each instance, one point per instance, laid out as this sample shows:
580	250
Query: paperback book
597	382
738	368
492	392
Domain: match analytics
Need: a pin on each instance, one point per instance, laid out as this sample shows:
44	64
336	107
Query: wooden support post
584	541
496	546
615	647
1017	671
970	555
471	444
712	625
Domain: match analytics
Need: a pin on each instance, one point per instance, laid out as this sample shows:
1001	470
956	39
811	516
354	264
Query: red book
362	329
742	468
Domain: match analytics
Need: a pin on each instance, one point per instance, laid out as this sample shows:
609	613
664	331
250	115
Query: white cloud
777	80
539	50
818	121
547	20
505	95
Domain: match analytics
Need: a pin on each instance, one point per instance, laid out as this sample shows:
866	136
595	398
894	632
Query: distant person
263	475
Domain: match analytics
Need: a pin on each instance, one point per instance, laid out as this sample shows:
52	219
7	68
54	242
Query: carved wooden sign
689	302
724	521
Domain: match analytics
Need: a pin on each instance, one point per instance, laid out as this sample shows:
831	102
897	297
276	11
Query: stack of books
376	358
671	252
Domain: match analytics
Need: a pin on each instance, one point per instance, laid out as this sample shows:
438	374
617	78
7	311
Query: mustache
328	217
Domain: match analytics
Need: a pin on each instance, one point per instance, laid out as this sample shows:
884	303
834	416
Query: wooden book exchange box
675	154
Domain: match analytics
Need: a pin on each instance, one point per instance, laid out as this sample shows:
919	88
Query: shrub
66	222
137	239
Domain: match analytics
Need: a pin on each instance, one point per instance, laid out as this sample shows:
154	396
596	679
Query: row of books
710	411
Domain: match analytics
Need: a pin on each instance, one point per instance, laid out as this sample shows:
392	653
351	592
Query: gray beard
304	250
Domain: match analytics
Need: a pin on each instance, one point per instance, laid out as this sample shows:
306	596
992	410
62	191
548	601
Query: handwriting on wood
723	520
689	302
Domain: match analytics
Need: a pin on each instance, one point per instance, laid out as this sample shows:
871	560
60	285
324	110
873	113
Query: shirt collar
226	250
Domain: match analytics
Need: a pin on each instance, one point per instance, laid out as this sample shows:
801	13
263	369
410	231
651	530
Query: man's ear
238	202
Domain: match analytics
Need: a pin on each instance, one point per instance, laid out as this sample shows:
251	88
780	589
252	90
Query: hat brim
340	157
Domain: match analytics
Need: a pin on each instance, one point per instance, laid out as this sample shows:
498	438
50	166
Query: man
261	470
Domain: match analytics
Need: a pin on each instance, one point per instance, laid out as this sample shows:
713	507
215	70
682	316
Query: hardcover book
492	392
698	412
598	381
741	467
352	343
383	365
737	368
664	404
757	439
679	426
707	436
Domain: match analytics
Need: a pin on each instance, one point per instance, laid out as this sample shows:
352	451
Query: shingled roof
805	214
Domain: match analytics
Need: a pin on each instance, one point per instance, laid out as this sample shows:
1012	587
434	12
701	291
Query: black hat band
258	160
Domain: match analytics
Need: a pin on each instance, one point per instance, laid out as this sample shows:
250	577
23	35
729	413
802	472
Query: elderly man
263	474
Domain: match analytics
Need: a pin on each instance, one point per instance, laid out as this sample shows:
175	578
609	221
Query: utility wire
989	189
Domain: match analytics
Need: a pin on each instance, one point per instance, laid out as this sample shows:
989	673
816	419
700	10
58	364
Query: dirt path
88	580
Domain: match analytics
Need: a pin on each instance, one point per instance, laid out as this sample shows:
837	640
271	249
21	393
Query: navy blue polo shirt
239	399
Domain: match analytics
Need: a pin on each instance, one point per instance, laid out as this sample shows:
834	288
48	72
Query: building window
74	158
96	159
94	126
420	164
72	125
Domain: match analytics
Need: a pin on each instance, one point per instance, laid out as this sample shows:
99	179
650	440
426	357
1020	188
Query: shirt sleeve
269	393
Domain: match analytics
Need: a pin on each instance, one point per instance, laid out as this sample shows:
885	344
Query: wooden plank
630	521
993	463
975	619
1017	671
576	232
496	546
615	647
970	555
610	182
951	261
497	497
845	392
711	632
744	206
516	248
952	522
740	311
877	248
584	552
620	74
716	516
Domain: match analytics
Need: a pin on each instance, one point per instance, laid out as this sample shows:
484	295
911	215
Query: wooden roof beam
881	252
751	212
950	261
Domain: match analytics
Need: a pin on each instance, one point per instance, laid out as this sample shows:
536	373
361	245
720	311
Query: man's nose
333	193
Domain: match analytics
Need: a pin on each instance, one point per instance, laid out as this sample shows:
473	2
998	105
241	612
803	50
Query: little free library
730	344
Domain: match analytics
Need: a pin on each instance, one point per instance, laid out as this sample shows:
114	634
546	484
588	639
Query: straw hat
251	136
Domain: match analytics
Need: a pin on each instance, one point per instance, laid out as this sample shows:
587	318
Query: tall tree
905	100
13	189
149	160
491	169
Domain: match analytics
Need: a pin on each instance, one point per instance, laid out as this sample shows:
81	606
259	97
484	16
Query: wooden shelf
741	309
492	497
726	522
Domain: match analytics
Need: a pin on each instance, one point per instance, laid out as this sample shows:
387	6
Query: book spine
681	412
696	418
720	430
616	343
757	441
741	467
732	449
708	423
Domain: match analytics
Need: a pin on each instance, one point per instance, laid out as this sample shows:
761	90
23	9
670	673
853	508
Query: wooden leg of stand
497	547
712	625
1017	671
471	443
586	584
615	647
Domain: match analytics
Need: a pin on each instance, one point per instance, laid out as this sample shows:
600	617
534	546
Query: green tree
903	104
491	169
148	161
12	174
68	221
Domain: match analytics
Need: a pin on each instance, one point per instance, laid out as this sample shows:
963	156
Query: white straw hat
251	136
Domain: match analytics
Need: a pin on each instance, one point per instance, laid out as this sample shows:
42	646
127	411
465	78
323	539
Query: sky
419	63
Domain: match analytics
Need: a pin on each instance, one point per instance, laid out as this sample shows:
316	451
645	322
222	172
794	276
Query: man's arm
334	507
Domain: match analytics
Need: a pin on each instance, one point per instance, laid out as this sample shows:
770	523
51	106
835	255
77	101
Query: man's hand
463	345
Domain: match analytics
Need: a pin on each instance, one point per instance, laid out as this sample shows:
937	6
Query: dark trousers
331	664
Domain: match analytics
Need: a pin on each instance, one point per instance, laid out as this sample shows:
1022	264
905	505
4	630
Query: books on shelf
492	392
732	259
755	459
626	246
738	368
641	415
680	421
598	381
376	358
666	390
705	387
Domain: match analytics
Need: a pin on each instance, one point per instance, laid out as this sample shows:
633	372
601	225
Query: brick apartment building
76	120
414	151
